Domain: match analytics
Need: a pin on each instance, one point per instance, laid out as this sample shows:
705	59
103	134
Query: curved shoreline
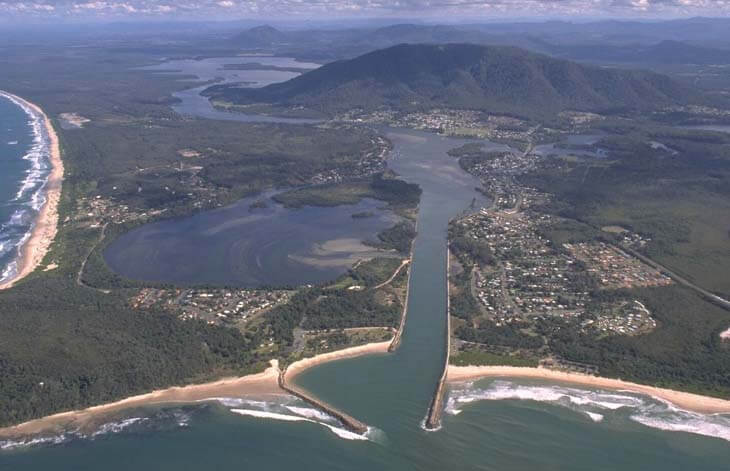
685	400
300	366
259	384
44	230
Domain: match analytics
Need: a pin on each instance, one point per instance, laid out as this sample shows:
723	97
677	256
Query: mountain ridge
501	79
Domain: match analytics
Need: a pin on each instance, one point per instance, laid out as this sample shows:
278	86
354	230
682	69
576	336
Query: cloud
231	9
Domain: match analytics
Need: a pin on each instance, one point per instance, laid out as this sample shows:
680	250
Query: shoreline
300	366
259	384
33	251
266	383
685	400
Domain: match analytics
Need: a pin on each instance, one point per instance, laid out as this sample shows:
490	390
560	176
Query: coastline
259	384
266	383
685	400
44	230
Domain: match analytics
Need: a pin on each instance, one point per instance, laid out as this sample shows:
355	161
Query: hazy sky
439	10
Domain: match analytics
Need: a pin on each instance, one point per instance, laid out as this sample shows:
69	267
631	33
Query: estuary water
501	425
250	246
24	167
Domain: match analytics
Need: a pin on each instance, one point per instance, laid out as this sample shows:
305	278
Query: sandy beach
684	400
46	226
300	366
261	384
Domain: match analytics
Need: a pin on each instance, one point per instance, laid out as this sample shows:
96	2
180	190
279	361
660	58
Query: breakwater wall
435	410
348	421
395	343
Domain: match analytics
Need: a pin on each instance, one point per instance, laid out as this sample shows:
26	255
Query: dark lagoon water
245	246
501	425
24	168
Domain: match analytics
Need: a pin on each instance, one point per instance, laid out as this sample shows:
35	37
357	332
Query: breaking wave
339	431
30	196
596	405
291	409
105	429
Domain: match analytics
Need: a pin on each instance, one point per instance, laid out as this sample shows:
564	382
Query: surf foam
596	404
339	431
31	193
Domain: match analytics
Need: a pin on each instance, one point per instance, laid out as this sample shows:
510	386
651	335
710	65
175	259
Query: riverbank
684	400
260	384
44	230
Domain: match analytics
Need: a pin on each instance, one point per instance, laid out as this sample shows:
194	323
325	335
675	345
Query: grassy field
479	358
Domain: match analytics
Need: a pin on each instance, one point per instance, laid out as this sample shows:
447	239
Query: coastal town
214	306
526	275
370	163
527	283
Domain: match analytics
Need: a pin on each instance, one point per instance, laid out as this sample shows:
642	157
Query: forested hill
489	78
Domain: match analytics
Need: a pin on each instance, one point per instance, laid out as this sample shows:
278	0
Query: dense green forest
382	186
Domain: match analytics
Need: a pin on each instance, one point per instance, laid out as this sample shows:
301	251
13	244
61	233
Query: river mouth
250	246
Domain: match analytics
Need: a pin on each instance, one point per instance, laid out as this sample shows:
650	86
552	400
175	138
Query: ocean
24	167
501	425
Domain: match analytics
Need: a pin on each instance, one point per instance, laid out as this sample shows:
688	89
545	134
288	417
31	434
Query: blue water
242	246
23	170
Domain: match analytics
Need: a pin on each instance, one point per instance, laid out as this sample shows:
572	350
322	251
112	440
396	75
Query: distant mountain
599	42
491	78
664	52
262	36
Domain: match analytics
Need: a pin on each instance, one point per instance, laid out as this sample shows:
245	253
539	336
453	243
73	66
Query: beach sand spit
301	366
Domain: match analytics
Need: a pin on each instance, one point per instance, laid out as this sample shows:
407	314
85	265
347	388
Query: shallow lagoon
248	246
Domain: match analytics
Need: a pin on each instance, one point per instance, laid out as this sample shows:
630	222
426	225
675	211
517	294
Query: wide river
506	425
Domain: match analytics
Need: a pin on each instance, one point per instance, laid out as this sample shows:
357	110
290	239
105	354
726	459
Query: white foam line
650	411
35	181
340	432
13	444
115	427
310	413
